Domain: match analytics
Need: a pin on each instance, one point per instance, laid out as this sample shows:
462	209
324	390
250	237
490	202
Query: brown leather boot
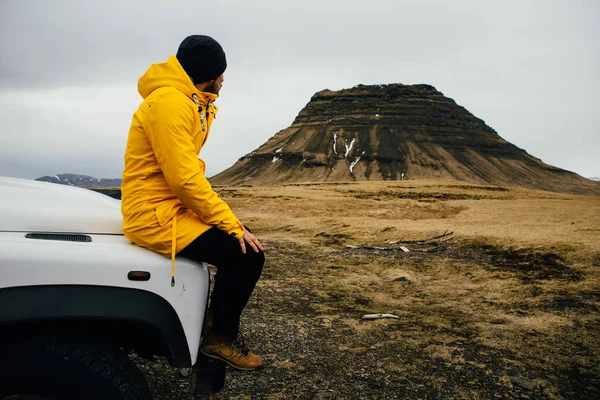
233	351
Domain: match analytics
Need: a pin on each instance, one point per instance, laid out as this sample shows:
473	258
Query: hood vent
59	236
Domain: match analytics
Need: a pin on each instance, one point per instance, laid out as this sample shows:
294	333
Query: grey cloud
529	69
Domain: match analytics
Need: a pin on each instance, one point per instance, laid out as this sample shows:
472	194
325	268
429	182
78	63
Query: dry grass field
504	305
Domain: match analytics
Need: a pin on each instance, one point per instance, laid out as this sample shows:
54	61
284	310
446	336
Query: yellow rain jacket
166	200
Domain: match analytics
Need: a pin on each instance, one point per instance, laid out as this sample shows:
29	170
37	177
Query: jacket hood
167	74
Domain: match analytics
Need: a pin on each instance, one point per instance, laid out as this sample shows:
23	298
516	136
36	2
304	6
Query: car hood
33	206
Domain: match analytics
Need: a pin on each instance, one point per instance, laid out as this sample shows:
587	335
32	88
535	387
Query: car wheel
68	369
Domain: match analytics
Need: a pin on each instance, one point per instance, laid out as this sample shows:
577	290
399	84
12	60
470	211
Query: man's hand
251	240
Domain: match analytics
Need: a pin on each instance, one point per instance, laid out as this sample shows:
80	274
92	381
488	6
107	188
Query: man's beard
212	88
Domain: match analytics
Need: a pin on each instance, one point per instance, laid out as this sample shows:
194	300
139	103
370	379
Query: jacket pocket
165	214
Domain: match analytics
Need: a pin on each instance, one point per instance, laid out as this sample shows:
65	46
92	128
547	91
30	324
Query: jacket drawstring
173	249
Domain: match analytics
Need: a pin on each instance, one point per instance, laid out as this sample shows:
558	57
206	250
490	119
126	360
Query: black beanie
202	57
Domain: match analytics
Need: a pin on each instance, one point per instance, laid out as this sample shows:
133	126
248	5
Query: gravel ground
313	348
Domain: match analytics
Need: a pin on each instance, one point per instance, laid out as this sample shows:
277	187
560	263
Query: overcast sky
69	71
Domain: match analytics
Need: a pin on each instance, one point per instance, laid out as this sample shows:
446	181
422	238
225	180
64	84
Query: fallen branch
444	240
350	246
444	236
431	249
401	248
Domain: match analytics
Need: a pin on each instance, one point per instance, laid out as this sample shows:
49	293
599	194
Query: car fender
66	279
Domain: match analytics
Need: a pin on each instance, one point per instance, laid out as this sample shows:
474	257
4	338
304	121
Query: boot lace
240	345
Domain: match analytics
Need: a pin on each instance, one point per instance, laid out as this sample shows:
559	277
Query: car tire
68	369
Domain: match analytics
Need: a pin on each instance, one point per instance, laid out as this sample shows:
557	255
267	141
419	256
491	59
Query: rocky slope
394	132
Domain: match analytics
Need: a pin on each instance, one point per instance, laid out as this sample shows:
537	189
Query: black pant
236	276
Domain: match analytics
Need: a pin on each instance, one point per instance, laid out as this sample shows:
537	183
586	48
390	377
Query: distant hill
81	181
394	132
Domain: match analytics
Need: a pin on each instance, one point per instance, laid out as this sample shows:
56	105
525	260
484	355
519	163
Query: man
170	207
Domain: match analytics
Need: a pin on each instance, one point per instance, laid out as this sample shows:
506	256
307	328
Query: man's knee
255	262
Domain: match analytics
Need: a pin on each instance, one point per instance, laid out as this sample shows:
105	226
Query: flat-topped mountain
394	132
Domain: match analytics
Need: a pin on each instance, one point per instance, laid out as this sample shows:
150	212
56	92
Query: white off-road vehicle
76	296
